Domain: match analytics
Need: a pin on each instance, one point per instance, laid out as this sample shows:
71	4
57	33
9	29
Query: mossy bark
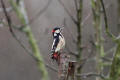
96	9
21	13
119	15
79	19
115	68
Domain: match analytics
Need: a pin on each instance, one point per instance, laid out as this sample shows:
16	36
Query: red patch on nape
53	30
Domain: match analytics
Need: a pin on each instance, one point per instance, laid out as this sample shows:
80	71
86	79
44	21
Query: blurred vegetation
98	13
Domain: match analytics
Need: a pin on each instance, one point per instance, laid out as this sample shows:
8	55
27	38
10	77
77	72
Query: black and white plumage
58	40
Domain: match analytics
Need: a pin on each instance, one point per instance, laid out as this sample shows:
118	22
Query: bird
58	42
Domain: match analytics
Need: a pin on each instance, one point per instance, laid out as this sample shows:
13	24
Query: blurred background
44	15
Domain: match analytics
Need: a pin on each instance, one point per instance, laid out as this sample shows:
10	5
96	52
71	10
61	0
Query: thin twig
86	18
69	32
72	18
76	5
47	65
9	9
106	22
7	17
106	59
40	13
90	75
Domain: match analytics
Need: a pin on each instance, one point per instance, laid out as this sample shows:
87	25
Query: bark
79	19
115	68
96	9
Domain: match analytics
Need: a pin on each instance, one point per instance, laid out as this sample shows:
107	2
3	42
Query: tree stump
71	70
66	68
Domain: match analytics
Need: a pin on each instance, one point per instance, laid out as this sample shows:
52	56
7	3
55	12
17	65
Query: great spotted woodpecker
58	42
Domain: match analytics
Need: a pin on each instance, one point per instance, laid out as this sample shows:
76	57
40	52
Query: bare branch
47	65
22	15
69	32
106	59
9	9
11	30
40	12
18	40
72	18
90	75
76	5
106	22
7	17
86	18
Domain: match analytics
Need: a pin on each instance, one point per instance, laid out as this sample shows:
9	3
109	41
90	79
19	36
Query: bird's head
57	30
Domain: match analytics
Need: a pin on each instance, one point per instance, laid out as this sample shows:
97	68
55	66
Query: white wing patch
55	34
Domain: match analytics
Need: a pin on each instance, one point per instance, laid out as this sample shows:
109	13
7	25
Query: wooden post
63	66
66	69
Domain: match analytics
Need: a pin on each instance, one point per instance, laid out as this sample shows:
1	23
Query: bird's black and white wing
55	43
61	43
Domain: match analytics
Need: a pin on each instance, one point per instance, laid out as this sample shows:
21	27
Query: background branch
115	67
90	75
21	13
106	22
72	18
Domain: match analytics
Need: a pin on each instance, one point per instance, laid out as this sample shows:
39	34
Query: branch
47	65
106	22
11	30
7	17
79	30
40	12
106	59
23	46
76	5
115	67
69	32
72	18
86	18
22	15
90	75
9	9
